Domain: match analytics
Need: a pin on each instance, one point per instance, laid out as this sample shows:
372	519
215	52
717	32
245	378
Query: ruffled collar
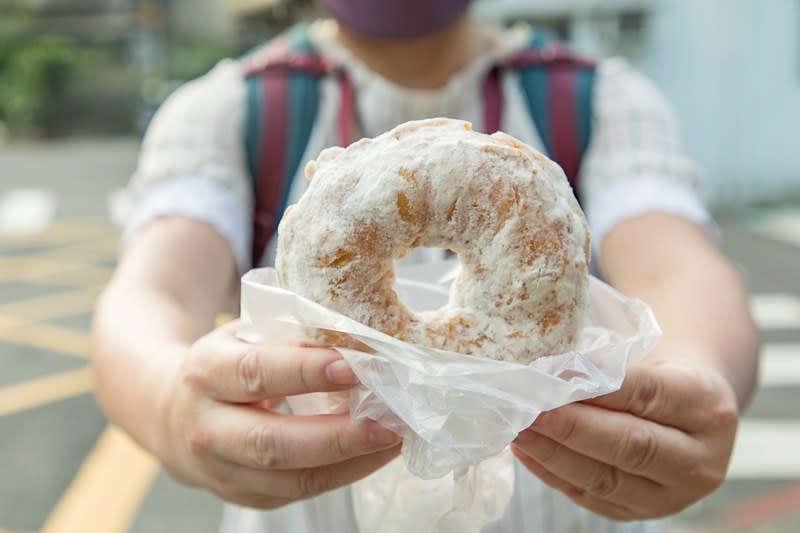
382	104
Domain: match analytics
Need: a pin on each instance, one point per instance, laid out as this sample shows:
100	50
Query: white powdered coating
504	208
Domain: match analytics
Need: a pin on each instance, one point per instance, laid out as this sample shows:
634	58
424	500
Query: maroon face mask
395	19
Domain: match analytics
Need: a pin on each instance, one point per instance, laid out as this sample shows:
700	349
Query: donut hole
415	294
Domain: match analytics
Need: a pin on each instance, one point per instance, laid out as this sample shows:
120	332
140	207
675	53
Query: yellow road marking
8	322
31	269
64	231
42	391
108	490
60	304
67	271
89	252
49	337
105	246
84	277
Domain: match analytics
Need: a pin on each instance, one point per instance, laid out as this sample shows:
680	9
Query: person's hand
219	431
659	444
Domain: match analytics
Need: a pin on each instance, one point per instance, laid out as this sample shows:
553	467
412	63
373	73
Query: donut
505	209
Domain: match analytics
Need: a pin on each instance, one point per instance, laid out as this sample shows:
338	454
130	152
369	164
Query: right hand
220	434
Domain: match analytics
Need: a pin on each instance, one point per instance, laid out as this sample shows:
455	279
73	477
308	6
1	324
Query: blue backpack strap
282	86
558	87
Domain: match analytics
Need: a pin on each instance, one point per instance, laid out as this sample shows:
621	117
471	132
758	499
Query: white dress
192	163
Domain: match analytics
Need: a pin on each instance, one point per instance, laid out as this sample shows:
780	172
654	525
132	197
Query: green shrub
34	73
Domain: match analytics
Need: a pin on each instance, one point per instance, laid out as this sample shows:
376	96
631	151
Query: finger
550	479
608	509
258	439
632	444
235	371
668	394
601	480
303	483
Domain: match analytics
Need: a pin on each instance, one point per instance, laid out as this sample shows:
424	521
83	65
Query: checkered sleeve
192	161
635	162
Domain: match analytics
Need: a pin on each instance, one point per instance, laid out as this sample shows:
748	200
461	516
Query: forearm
697	296
138	336
144	323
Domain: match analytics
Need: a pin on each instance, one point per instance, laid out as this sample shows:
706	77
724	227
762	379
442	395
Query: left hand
659	444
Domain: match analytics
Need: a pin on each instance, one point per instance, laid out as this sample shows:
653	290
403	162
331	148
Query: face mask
395	19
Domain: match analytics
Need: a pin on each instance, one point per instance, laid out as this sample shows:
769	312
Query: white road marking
776	311
781	224
26	211
120	206
766	449
780	365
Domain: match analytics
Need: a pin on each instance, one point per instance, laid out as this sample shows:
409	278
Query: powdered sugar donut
504	208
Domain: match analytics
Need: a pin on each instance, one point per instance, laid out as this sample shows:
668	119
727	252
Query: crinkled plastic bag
456	413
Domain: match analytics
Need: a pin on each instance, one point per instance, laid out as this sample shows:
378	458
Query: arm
696	294
665	439
200	401
151	313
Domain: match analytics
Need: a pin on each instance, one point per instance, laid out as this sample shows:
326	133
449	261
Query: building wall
209	19
732	70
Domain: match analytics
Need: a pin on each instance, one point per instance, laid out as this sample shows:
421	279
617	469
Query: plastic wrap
457	414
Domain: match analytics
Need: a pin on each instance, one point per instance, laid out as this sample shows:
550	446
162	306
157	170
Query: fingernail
340	374
381	436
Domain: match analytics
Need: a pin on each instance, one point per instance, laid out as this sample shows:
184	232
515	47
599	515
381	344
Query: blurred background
79	81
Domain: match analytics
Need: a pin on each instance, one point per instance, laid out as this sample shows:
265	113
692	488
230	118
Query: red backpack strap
557	86
492	102
282	81
347	109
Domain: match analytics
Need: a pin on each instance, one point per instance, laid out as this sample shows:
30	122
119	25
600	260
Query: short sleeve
192	160
635	162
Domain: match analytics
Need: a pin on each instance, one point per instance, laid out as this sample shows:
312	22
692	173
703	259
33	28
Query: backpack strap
558	87
282	85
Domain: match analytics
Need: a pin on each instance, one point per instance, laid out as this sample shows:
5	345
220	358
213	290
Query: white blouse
192	163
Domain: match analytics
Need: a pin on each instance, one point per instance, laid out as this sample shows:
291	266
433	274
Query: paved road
63	469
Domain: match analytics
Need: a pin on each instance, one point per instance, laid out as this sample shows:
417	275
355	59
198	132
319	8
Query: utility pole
151	50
